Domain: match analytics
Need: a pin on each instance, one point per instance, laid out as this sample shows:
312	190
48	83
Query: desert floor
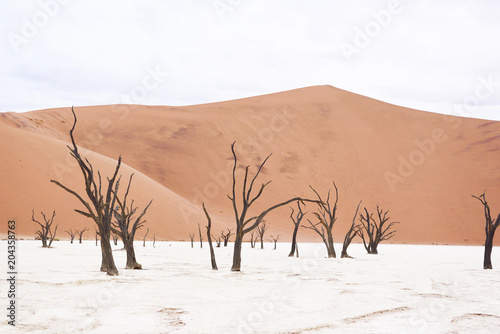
404	289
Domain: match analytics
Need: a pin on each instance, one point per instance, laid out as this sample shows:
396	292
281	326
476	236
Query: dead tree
80	234
372	232
261	230
245	225
327	216
209	227
115	238
351	234
96	237
101	206
45	232
201	237
489	229
154	240
147	231
226	236
126	225
72	235
191	237
252	239
296	222
275	240
217	241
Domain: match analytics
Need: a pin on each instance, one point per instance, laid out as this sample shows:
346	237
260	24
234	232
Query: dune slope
423	167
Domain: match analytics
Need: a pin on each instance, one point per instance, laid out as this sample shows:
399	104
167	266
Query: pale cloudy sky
440	56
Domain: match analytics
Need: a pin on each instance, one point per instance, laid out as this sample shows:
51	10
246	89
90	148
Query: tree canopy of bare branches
244	224
45	232
374	232
126	224
489	228
99	207
327	216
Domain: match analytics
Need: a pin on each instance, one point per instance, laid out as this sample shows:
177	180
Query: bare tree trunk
331	249
144	241
201	238
209	236
108	263
191	237
237	252
488	247
96	234
131	260
351	234
294	240
154	240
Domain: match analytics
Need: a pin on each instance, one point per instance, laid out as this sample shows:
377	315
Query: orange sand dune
421	166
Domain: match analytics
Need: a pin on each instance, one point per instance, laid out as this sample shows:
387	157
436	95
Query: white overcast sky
429	55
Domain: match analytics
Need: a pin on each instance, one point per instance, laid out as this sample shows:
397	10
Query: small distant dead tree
297	219
261	230
80	234
201	237
351	234
154	240
209	237
115	238
191	237
72	235
126	225
252	239
226	236
246	225
327	216
275	240
145	235
218	240
100	206
96	237
45	232
489	229
372	232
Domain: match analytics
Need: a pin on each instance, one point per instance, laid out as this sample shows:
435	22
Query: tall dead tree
245	225
80	234
374	232
226	236
45	232
191	237
327	216
126	225
489	229
71	234
100	208
261	230
297	219
351	234
201	236
209	236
